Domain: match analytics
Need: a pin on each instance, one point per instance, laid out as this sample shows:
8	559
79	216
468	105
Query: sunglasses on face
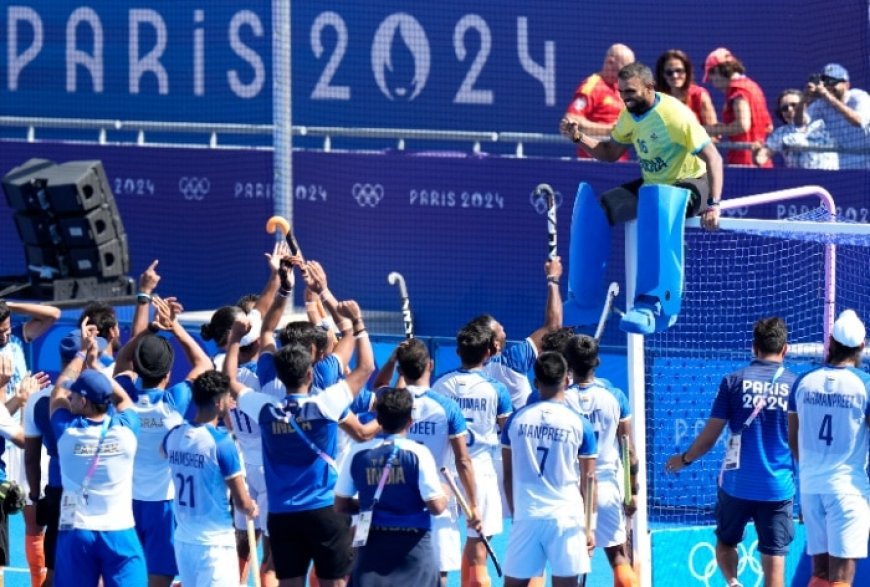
674	72
789	106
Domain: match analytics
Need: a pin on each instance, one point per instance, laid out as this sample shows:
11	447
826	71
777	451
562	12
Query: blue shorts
85	555
155	525
773	522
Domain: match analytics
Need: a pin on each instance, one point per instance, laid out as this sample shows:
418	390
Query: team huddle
288	436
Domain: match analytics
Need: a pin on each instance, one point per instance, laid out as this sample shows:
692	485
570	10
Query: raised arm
86	355
315	280
273	315
273	282
147	284
602	150
41	318
365	359
231	360
553	311
167	311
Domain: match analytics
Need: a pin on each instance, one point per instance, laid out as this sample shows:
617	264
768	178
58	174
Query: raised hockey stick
545	190
612	292
408	319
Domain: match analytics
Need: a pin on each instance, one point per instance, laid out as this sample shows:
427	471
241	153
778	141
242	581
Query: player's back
246	430
436	419
482	400
604	406
832	406
159	412
201	458
545	439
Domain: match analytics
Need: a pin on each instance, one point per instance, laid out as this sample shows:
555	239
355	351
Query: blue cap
93	386
72	343
836	71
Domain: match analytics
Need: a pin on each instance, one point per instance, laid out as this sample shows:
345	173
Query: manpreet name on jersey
186	459
544	432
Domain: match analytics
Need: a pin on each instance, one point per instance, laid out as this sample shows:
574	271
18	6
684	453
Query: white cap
253	334
849	330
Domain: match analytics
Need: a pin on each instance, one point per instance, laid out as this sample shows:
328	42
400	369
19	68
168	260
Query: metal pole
282	111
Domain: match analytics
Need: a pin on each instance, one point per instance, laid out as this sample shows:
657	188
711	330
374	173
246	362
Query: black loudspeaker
67	218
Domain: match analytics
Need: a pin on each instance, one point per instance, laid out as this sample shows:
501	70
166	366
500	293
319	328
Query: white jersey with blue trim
546	439
512	367
605	407
159	411
482	401
832	405
436	419
110	488
202	459
245	428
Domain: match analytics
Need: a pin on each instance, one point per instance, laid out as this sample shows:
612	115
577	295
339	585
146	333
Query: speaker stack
73	237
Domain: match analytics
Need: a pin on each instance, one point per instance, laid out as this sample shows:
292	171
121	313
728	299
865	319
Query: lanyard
760	405
288	417
86	482
387	466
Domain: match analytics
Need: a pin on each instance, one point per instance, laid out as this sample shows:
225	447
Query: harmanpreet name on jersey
832	400
544	432
186	459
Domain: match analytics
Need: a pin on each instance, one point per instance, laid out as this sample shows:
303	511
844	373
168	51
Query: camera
815	78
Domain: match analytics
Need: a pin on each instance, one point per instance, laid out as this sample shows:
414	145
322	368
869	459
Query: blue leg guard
661	221
590	247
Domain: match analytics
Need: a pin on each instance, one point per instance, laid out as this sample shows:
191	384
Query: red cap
716	57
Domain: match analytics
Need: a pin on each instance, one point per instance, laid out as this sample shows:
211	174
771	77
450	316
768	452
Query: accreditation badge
361	533
732	453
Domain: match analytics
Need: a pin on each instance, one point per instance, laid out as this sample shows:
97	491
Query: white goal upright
802	269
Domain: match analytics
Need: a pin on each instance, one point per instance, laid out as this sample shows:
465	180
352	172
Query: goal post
802	270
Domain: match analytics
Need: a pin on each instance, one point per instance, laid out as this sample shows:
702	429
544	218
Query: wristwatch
711	202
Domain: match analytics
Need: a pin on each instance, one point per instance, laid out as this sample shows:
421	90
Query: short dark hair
5	312
219	325
550	369
292	363
662	84
838	353
299	332
210	386
394	408
729	68
557	339
412	356
101	315
638	70
248	301
769	335
581	353
473	341
321	338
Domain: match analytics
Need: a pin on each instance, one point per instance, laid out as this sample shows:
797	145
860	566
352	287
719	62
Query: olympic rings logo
704	571
194	188
367	194
540	204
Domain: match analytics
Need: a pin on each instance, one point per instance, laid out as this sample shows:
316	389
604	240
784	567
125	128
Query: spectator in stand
675	76
745	118
845	111
596	103
798	131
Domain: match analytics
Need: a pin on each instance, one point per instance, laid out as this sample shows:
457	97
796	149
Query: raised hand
5	371
279	252
164	317
149	279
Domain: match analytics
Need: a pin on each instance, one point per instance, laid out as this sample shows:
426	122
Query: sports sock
464	572
624	576
33	547
819	582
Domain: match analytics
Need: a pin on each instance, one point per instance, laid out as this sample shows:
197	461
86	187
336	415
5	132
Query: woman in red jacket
745	116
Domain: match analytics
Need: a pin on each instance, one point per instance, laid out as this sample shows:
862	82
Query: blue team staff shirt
202	459
412	481
511	367
297	479
766	470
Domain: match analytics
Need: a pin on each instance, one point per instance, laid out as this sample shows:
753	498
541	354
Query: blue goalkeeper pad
587	261
658	290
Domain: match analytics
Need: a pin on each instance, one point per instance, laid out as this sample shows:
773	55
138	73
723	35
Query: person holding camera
845	111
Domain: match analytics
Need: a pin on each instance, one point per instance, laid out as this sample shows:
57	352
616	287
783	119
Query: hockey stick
545	190
589	504
612	292
626	472
278	223
252	546
396	278
467	511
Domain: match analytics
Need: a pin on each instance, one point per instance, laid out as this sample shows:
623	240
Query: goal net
748	270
